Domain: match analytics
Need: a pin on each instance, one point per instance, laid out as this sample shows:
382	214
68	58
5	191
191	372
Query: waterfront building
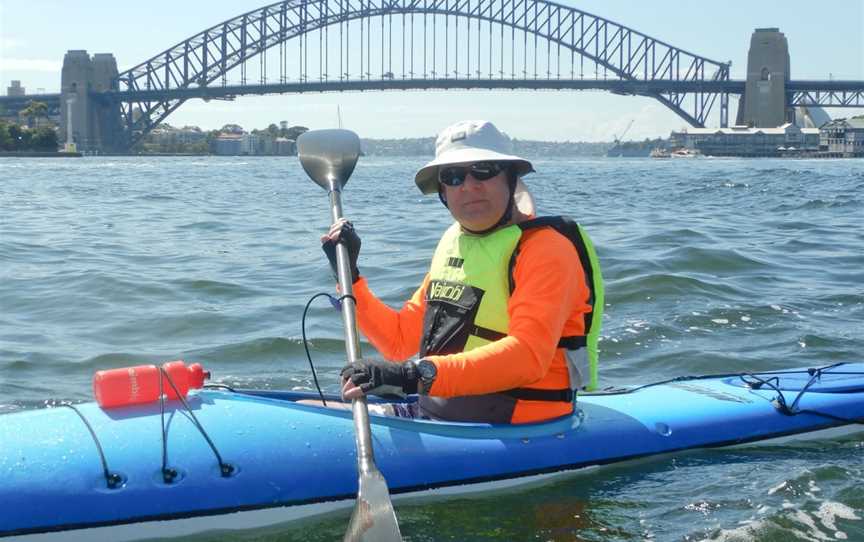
843	138
285	147
785	140
266	145
258	144
15	89
228	144
167	135
249	144
189	135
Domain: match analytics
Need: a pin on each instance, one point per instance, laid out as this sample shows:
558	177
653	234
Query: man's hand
342	232
378	377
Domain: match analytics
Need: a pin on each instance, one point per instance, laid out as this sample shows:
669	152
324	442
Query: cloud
7	44
30	65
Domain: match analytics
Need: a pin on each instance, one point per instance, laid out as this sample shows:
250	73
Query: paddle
329	157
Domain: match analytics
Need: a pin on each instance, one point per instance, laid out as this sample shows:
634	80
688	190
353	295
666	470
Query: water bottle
140	384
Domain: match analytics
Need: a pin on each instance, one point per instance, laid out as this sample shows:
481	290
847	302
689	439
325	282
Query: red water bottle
140	384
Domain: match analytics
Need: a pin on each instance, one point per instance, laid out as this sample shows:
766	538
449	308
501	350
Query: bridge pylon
93	125
765	103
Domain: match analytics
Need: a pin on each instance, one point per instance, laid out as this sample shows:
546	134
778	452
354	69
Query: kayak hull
291	460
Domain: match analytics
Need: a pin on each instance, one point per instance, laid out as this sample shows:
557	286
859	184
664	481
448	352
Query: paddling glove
352	242
384	378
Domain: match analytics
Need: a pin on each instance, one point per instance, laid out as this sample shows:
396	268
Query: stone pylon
91	123
765	103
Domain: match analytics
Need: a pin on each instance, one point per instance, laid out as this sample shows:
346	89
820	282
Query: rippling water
711	266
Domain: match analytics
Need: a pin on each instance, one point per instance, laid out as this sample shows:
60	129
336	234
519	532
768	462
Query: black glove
378	377
349	237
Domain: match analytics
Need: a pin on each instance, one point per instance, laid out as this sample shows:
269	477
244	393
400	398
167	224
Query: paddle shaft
329	157
362	430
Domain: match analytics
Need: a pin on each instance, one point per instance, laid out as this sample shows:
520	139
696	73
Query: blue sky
825	41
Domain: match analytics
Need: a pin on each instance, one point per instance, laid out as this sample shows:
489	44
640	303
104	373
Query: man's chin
476	226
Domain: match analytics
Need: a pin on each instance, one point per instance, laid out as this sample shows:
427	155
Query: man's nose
470	179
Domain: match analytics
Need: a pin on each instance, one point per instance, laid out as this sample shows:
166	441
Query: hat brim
427	177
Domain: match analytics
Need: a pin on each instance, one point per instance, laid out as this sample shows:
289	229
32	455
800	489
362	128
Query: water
711	266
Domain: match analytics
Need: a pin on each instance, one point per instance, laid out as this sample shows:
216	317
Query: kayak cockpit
560	425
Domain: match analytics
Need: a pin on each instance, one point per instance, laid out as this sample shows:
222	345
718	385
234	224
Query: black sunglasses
482	171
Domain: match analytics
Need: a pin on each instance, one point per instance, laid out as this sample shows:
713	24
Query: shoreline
39	154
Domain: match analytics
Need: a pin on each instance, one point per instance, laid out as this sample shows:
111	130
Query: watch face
427	370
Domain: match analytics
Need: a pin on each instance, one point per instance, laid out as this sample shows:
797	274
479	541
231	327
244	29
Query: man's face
477	205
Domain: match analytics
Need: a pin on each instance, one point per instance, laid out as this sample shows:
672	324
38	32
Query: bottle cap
197	375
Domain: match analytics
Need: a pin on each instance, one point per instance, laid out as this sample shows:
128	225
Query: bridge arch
205	58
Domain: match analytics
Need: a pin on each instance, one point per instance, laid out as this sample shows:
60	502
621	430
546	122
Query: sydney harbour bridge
297	46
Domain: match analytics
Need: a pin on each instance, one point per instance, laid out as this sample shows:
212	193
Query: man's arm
396	334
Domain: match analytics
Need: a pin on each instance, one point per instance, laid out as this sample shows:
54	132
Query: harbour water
711	265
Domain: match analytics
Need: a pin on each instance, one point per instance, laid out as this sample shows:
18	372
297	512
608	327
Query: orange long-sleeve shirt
549	301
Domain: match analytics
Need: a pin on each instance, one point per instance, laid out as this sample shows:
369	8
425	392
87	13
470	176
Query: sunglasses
482	171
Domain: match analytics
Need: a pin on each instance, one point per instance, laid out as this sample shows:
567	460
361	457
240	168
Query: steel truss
828	98
615	51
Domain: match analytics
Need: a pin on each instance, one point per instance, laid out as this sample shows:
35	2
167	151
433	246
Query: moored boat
684	152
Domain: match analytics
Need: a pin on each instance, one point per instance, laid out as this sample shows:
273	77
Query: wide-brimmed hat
469	141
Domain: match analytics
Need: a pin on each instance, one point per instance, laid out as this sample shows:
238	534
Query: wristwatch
427	371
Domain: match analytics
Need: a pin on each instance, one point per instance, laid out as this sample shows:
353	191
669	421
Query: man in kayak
507	319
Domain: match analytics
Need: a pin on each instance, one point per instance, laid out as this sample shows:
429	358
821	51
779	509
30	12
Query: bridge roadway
844	93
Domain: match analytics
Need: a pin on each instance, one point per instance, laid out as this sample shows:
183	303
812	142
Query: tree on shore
44	139
294	132
33	112
16	138
5	138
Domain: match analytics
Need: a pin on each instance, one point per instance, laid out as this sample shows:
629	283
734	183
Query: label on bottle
134	389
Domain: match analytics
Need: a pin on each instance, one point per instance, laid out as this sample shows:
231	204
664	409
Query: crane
619	138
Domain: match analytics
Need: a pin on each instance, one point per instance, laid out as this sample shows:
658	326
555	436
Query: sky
825	41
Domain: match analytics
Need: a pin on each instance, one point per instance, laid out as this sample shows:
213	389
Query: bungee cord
337	304
754	380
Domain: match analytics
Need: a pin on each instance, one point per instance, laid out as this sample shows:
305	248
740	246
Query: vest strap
573	342
486	333
533	394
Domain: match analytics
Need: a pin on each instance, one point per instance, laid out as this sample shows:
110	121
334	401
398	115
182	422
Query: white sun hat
470	141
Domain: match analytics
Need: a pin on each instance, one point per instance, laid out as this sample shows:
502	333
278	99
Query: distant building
811	116
266	145
249	144
843	138
190	135
786	140
228	144
167	135
234	144
285	147
16	89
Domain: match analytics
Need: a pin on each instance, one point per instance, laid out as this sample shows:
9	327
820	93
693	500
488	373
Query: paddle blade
373	519
329	156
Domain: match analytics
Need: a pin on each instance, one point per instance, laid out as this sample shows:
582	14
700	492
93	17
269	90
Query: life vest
466	307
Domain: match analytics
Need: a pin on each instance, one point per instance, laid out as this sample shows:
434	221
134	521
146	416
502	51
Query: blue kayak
244	459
